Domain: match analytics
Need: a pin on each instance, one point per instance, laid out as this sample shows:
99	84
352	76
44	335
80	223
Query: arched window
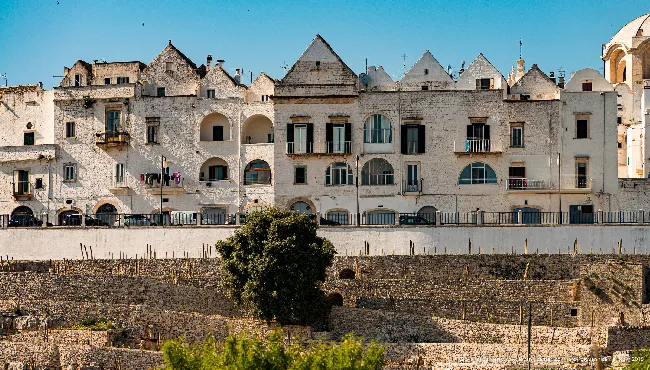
107	208
377	130
302	208
336	299
339	173
477	173
70	218
338	218
428	213
214	169
380	217
257	172
377	171
106	215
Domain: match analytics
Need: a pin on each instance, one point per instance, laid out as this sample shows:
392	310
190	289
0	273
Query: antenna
521	44
404	56
284	66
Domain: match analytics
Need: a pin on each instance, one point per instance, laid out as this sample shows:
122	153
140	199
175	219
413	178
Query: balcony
338	147
471	146
171	189
527	184
112	139
412	186
300	148
22	190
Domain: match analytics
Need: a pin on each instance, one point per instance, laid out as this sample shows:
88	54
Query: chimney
66	70
237	76
551	75
208	63
220	63
560	82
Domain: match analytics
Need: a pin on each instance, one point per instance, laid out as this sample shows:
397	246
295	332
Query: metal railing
527	184
377	136
4	219
379	179
378	218
477	145
412	186
417	219
300	148
338	219
344	147
22	189
112	137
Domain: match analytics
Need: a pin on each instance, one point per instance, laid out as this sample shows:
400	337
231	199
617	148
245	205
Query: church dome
624	35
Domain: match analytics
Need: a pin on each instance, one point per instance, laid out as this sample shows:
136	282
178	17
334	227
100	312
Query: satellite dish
364	78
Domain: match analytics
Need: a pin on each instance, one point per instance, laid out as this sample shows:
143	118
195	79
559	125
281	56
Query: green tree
243	352
641	360
274	265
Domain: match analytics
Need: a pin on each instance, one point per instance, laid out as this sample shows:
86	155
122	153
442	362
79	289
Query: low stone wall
394	327
99	338
628	338
113	289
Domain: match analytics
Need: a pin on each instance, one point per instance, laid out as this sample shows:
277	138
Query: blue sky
38	38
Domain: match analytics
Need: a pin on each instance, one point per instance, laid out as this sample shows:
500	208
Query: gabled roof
427	61
88	66
533	72
187	60
219	69
319	50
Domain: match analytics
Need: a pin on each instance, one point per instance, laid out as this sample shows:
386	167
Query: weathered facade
131	138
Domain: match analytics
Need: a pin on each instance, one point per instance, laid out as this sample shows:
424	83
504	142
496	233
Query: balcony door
517	178
339	138
478	138
412	177
300	136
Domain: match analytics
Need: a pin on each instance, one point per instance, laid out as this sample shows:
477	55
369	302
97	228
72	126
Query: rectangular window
300	136
122	80
169	66
69	172
113	121
160	91
38	184
211	94
425	87
300	175
153	124
28	138
119	173
339	138
412	140
412	177
77	80
107	81
620	145
217	133
582	129
270	138
217	173
484	83
587	85
517	136
582	173
619	120
21	182
69	129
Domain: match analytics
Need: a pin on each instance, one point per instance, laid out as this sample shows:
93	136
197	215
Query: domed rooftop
630	30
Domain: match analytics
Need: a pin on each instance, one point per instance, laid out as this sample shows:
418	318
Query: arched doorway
428	213
302	208
336	299
215	127
69	221
106	215
22	210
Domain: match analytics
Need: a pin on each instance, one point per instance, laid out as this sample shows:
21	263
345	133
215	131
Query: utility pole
163	159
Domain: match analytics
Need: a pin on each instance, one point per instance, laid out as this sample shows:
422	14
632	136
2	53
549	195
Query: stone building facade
135	138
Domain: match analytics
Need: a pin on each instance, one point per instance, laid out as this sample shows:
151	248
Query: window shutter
403	134
310	138
486	132
478	84
329	137
328	175
289	133
212	171
421	141
470	132
225	173
348	138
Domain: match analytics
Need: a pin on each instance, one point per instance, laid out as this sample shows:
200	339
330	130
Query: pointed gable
379	80
263	85
536	85
598	82
171	70
319	71
80	68
480	68
426	72
223	84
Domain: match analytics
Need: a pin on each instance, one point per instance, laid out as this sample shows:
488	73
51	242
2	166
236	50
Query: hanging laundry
142	177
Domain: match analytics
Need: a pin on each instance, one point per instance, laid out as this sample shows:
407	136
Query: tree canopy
274	264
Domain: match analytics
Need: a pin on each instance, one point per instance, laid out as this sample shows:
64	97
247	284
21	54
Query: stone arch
347	274
22	210
338	215
477	173
302	208
257	172
428	213
62	213
214	169
377	129
305	200
209	130
615	72
102	207
336	299
257	129
377	171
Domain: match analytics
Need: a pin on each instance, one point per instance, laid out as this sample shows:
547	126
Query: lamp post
358	214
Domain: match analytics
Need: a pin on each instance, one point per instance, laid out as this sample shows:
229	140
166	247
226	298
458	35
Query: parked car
326	222
24	220
413	220
138	220
75	220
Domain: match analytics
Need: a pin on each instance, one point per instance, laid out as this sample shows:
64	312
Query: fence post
199	216
83	220
520	217
438	216
479	217
396	218
601	217
639	218
237	220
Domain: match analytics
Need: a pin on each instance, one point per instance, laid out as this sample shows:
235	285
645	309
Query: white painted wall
59	243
